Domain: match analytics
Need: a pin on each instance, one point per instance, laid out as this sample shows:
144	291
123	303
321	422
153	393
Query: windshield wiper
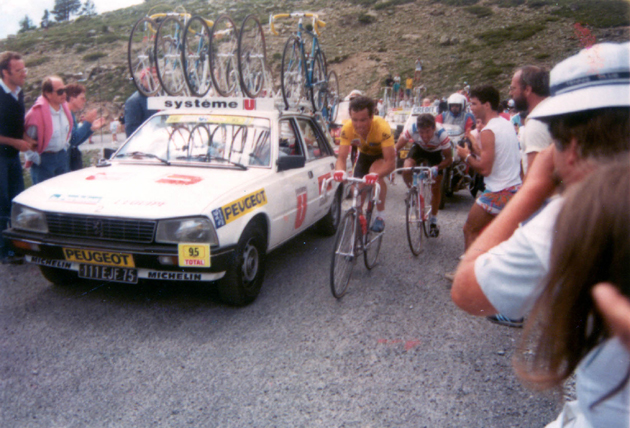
236	164
148	155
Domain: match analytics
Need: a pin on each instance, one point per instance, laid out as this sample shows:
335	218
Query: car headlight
28	219
195	229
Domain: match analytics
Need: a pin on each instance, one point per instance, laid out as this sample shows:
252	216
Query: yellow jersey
380	136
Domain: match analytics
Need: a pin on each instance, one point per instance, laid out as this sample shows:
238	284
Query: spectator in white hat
588	114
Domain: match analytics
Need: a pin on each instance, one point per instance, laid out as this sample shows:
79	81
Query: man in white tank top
498	161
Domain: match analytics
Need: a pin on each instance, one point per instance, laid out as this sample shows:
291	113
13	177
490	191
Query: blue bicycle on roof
303	73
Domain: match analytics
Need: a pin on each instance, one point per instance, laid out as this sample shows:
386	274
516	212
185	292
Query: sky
13	11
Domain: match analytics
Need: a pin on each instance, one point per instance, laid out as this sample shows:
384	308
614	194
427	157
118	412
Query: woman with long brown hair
565	331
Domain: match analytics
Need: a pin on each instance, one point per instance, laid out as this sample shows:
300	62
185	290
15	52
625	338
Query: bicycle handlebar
417	168
316	21
327	181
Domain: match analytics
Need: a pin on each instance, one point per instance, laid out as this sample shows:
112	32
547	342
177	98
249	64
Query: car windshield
216	140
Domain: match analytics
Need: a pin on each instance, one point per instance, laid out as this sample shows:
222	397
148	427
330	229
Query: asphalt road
394	352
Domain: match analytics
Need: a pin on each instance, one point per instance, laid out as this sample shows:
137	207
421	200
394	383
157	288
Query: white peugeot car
199	194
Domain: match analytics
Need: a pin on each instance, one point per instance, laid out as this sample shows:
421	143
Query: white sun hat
597	77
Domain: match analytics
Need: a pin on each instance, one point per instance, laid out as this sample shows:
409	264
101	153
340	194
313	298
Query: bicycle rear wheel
415	227
251	56
332	97
196	47
168	50
373	241
292	73
345	257
223	53
141	57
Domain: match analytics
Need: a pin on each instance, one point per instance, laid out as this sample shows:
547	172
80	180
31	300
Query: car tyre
243	279
59	277
328	225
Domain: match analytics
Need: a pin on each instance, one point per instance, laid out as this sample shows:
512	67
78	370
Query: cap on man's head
595	78
354	94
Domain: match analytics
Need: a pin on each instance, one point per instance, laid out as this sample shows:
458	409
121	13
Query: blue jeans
52	165
11	183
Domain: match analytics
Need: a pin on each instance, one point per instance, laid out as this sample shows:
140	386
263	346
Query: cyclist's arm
389	156
402	140
448	159
342	158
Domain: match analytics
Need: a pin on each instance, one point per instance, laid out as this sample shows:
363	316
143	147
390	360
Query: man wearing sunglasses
49	122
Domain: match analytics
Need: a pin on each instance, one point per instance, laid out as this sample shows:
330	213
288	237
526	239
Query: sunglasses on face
60	91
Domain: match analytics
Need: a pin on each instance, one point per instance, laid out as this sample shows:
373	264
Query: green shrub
538	3
37	61
81	48
457	2
513	33
542	55
508	3
94	56
597	13
479	11
390	3
365	19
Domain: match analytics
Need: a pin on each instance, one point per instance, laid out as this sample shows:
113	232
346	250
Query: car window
207	139
289	143
313	141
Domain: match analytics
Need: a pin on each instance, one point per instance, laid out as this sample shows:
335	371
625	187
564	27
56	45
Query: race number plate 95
194	255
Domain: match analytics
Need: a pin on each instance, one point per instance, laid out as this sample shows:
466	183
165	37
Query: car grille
114	229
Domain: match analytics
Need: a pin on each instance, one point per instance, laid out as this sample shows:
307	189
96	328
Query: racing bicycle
354	237
303	73
418	206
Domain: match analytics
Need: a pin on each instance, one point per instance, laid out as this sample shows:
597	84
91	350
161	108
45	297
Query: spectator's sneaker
378	225
503	320
434	230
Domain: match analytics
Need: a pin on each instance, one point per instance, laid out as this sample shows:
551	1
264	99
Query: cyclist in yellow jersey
377	156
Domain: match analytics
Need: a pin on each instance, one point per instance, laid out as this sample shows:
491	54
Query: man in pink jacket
49	122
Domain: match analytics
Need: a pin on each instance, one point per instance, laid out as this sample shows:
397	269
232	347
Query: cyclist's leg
408	175
361	168
376	165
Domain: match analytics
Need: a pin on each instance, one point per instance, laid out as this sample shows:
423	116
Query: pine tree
45	19
88	9
64	8
26	24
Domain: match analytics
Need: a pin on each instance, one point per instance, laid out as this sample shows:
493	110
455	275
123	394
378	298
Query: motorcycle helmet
457	99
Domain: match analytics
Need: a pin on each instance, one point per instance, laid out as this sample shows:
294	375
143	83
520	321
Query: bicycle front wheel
426	196
372	245
344	258
292	73
251	56
196	46
317	90
415	228
141	57
168	48
223	52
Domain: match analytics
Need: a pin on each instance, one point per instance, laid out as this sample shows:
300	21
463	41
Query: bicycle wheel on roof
317	85
292	73
195	52
168	48
252	58
223	56
141	57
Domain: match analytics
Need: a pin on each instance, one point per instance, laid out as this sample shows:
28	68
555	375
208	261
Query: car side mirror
290	162
107	153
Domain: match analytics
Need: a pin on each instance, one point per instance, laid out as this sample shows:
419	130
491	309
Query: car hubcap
250	262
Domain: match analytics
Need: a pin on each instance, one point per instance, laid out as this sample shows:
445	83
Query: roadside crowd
546	246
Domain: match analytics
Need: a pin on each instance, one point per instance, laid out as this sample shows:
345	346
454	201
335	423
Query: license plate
109	273
98	257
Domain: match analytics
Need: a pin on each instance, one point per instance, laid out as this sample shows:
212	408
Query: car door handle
310	174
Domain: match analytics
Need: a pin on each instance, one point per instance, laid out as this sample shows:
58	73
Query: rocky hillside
459	41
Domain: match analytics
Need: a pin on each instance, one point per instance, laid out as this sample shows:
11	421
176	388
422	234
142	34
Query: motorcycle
459	175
